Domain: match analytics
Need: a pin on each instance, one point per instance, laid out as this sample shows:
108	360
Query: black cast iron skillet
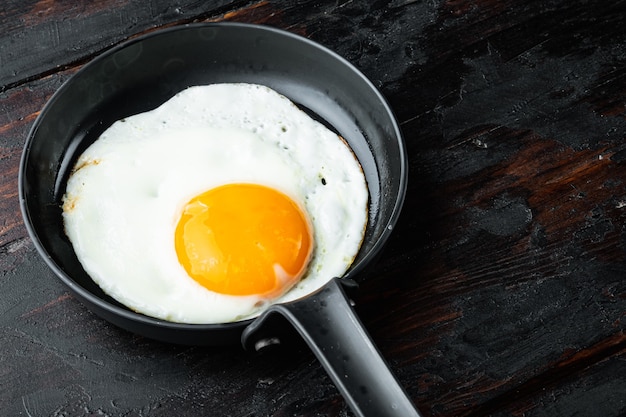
143	73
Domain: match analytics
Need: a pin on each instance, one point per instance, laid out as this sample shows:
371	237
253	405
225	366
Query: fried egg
221	201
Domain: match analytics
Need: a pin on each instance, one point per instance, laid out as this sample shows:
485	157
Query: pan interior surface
142	74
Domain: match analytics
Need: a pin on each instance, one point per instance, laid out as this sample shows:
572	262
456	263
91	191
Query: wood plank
53	34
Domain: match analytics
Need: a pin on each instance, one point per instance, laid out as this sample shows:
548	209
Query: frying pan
141	74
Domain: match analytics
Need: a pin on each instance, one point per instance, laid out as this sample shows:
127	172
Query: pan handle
329	325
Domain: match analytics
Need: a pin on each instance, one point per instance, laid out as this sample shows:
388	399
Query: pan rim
128	314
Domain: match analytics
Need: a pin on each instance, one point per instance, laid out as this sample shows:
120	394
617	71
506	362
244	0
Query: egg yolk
244	239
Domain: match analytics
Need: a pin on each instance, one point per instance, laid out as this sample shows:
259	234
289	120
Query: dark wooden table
502	291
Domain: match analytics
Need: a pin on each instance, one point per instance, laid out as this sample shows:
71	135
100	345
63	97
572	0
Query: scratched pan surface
141	74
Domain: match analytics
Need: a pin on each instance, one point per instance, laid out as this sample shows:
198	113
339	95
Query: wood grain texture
502	289
41	36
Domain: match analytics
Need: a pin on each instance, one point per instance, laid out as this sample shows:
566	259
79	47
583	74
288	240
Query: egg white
128	188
